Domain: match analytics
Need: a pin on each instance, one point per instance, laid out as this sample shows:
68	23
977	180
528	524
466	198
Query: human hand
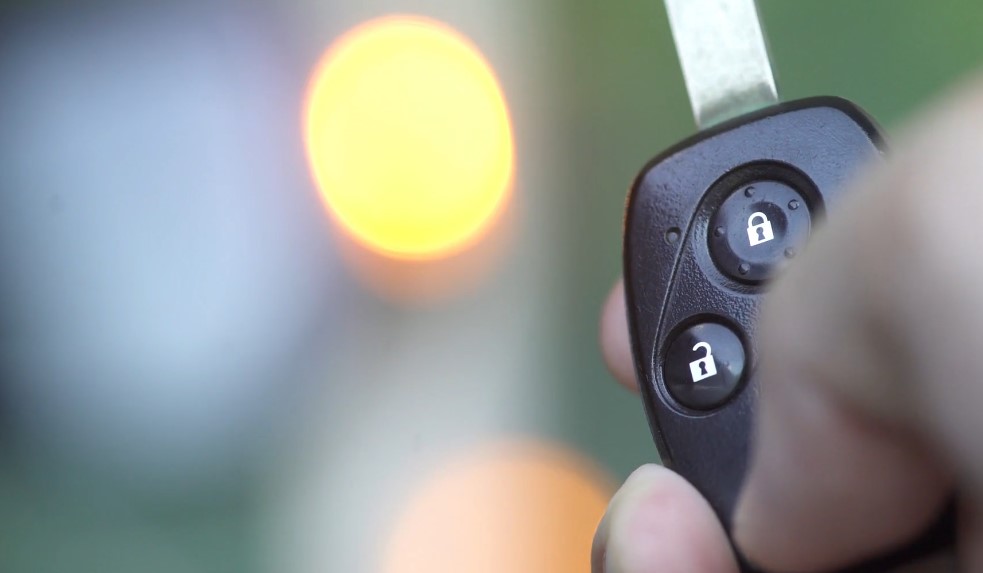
871	408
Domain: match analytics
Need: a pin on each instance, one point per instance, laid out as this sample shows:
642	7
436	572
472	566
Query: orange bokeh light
408	138
521	508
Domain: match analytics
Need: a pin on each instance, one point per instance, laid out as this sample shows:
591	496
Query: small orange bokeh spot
408	137
521	508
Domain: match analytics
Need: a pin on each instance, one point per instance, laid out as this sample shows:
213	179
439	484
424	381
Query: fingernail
613	545
659	522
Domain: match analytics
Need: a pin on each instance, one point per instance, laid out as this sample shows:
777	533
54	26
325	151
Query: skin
871	410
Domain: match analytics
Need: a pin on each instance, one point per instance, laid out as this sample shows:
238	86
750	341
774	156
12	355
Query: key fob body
708	222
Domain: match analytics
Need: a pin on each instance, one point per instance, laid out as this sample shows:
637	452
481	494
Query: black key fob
709	221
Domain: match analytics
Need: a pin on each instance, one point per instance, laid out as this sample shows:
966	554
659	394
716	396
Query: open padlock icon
760	232
704	367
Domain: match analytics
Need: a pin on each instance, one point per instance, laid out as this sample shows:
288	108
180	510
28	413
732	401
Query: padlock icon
704	367
760	233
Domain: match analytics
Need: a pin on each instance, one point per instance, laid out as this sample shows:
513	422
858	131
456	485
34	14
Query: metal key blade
724	58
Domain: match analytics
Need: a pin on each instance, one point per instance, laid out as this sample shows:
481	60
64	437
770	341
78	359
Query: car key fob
708	222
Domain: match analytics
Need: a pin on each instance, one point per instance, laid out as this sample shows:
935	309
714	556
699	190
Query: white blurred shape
449	379
164	256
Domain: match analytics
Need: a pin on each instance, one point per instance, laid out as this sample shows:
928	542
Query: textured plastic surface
671	281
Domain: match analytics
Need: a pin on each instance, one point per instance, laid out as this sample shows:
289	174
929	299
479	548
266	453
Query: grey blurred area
168	277
164	255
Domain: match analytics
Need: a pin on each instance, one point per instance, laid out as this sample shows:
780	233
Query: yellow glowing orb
408	137
524	508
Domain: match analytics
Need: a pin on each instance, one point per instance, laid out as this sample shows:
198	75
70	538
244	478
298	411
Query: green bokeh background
627	102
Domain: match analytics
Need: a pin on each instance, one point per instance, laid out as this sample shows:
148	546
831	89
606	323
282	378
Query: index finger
614	338
872	354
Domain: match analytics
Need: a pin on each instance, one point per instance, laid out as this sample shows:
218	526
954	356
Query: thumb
872	352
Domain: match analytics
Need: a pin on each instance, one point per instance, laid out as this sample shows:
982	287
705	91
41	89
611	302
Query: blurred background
304	286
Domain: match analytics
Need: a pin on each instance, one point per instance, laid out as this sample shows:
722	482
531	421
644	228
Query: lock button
704	366
760	232
757	229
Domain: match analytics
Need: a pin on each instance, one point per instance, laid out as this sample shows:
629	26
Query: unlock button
704	366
